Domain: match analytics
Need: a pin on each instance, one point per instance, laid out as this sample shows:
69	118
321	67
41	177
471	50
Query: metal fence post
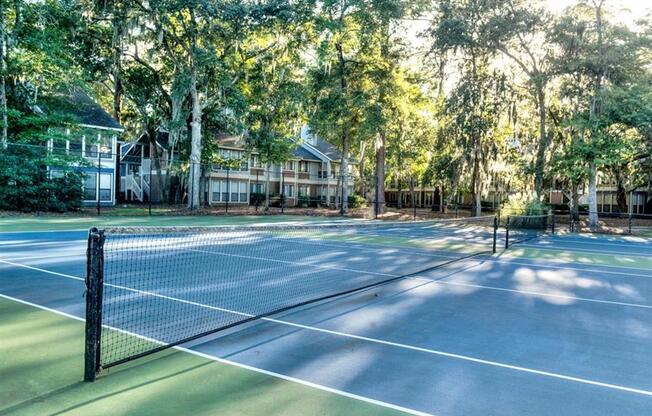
507	233
495	234
99	172
94	282
228	189
149	197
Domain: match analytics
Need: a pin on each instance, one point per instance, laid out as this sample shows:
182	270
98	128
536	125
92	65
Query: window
105	187
233	188
231	191
288	190
75	145
257	188
304	190
58	147
90	146
225	191
289	165
303	166
243	191
216	191
90	188
106	147
255	161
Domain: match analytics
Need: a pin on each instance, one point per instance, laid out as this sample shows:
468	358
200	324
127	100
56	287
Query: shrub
523	205
356	201
27	185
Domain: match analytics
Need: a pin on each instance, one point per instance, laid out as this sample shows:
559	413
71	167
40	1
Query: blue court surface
557	325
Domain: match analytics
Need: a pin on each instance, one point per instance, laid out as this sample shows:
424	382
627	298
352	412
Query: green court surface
59	222
587	258
42	372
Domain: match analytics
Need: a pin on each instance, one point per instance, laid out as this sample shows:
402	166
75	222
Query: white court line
545	295
400	345
52	256
247	367
493	259
571	239
574	250
424	253
388	275
295	263
506	253
45	231
542	264
434	281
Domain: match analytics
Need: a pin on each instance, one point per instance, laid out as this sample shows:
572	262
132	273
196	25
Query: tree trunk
575	201
380	171
117	64
412	194
475	185
195	151
595	111
621	193
156	192
441	198
543	143
344	162
344	173
362	190
593	196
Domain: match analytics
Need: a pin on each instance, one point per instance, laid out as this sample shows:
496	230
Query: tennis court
555	324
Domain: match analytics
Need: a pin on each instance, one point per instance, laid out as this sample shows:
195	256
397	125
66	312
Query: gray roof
326	148
305	154
88	112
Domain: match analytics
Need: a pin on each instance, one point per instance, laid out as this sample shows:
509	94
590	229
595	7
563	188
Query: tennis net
151	288
522	228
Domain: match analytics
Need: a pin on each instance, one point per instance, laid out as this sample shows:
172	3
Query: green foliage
523	205
357	201
27	185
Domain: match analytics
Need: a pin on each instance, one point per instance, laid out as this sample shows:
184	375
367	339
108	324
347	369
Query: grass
41	357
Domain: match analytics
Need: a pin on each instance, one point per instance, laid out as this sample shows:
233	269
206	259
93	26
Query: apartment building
310	178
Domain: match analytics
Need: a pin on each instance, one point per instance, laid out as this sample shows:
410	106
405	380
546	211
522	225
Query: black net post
629	223
495	234
507	233
94	281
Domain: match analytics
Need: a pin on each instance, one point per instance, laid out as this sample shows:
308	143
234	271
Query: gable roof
320	145
80	107
326	148
304	153
90	113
